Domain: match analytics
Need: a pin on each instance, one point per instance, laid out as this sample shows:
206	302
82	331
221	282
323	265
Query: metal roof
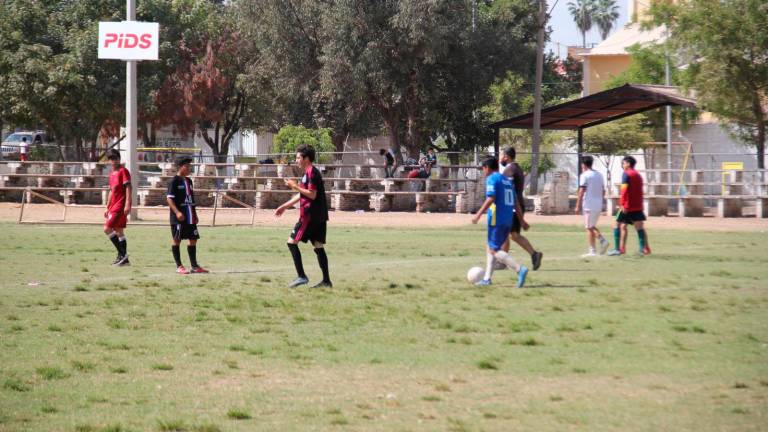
602	107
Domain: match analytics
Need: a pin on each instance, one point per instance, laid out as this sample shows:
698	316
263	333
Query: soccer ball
475	274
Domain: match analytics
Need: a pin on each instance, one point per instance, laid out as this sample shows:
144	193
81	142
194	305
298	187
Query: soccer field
674	341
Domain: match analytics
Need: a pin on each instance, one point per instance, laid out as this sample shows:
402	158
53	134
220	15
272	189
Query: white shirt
593	195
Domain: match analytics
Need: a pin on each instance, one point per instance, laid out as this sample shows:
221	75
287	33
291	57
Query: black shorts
308	230
629	218
516	224
182	231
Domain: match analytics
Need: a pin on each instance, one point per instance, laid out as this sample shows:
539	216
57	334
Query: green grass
674	341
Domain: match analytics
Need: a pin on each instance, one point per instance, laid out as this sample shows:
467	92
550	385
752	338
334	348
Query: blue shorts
497	235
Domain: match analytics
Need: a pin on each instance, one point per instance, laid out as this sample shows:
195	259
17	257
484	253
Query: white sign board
129	40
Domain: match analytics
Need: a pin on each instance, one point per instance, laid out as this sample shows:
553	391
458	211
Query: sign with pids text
129	40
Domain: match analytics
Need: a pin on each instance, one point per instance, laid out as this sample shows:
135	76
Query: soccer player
512	171
590	198
313	216
181	201
500	203
118	208
630	210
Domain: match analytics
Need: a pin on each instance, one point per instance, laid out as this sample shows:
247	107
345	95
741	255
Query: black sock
192	251
176	255
322	259
122	244
116	242
296	254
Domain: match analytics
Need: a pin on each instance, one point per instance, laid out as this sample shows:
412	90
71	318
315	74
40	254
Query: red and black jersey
631	197
118	181
316	209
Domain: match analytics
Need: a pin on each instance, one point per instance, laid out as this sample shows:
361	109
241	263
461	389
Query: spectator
23	148
390	162
431	160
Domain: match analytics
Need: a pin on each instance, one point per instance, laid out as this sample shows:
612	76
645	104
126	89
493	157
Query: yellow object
729	166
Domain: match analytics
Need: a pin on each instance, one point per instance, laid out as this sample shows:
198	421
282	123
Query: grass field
674	341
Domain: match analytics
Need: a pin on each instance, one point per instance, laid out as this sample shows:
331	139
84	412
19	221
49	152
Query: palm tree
606	14
583	12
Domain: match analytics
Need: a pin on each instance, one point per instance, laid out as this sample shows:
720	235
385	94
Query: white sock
507	260
489	266
112	234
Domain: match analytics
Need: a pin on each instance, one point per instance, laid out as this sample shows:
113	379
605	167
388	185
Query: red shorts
116	219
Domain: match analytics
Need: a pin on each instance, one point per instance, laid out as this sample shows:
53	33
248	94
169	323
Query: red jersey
631	191
118	180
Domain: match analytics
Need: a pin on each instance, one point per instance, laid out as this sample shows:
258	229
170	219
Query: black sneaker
323	284
124	263
536	260
122	260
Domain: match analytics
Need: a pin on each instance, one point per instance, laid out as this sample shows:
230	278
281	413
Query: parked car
10	145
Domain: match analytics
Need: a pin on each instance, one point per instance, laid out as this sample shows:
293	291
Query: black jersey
516	174
316	209
181	192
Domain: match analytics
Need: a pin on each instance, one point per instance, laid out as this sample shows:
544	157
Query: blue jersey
502	210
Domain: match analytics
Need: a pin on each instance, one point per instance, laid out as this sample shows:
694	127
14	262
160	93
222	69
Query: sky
564	30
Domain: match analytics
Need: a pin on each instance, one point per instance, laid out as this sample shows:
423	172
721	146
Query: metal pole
132	164
668	82
496	142
579	151
536	139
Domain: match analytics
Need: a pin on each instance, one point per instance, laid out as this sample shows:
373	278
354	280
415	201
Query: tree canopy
725	47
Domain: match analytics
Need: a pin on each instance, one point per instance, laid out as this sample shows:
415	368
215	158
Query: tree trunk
757	108
338	139
761	145
413	132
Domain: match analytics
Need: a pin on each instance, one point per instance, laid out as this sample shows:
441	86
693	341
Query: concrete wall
598	70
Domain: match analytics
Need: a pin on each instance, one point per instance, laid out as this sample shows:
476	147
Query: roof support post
579	151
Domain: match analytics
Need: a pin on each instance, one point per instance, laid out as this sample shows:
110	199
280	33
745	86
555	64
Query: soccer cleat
117	260
198	269
323	284
603	246
614	252
646	250
589	254
121	260
124	263
484	282
521	275
181	270
298	281
536	260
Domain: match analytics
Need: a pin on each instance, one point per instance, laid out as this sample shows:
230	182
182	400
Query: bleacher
729	192
349	187
248	185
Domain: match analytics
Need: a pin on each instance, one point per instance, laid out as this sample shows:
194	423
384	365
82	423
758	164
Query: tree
288	42
204	93
647	66
606	14
289	138
724	45
583	12
50	74
622	136
420	65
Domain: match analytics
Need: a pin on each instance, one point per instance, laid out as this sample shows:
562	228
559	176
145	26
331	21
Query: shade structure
596	109
600	108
